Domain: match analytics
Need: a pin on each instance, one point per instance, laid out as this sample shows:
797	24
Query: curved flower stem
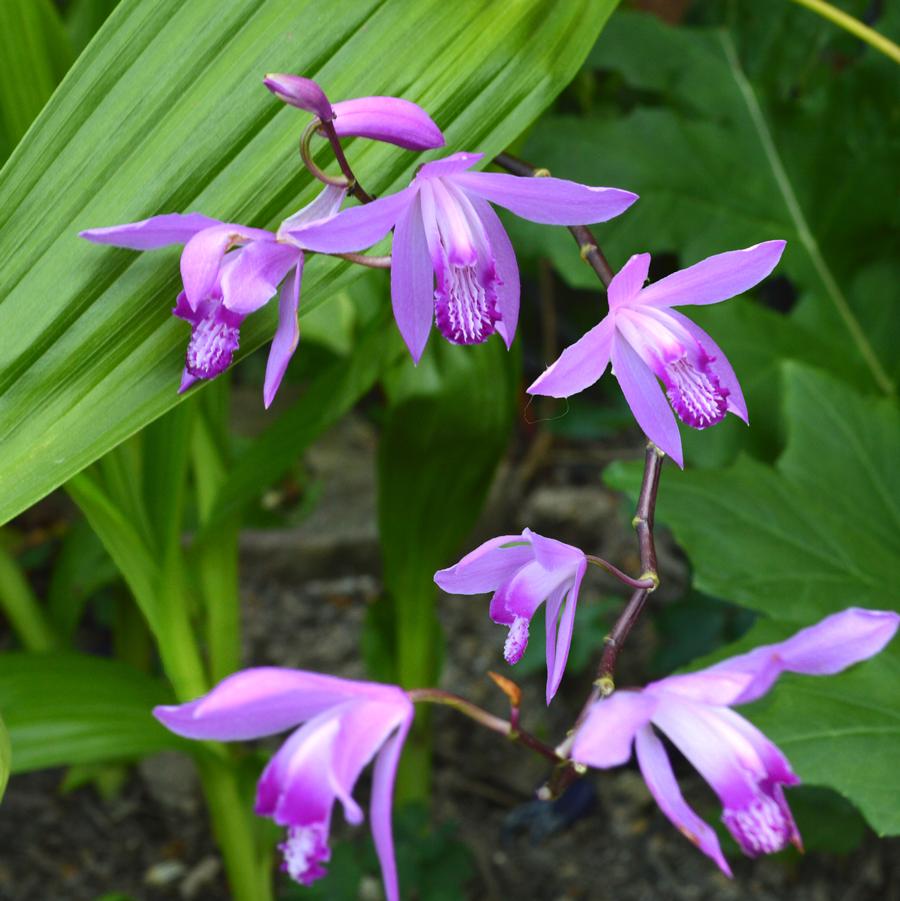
348	180
584	237
364	260
647	581
483	718
854	26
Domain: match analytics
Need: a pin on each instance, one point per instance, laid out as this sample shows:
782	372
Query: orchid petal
716	278
324	207
507	269
449	165
295	788
203	254
149	234
580	365
646	399
254	278
389	119
262	701
629	280
553	554
657	772
380	810
829	646
358	227
528	588
287	335
412	280
563	638
719	365
604	739
487	567
301	92
552	201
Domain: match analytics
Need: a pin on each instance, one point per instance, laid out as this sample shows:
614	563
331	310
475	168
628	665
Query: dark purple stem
354	187
513	732
584	237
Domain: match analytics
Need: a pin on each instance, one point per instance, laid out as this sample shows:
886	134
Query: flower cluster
453	267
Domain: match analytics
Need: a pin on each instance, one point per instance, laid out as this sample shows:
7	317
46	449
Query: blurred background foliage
736	122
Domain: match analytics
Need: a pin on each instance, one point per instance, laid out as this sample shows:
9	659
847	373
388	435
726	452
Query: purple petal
629	280
287	335
301	92
148	234
257	271
358	227
838	641
734	762
262	701
449	165
296	787
604	739
507	269
529	587
553	554
412	280
715	278
380	811
323	208
580	364
202	257
389	119
718	363
487	567
553	201
657	772
646	399
562	640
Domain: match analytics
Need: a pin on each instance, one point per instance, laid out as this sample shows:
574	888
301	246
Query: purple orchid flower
523	571
345	724
388	119
228	272
647	340
744	768
445	228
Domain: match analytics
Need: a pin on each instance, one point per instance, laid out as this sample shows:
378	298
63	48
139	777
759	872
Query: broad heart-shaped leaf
73	708
841	731
818	532
165	112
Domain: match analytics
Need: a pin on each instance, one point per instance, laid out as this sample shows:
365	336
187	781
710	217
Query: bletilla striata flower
229	271
452	259
523	571
345	724
647	340
388	119
744	768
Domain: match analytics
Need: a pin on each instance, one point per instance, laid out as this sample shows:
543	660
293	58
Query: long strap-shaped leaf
165	111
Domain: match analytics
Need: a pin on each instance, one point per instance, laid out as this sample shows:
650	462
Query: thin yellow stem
854	26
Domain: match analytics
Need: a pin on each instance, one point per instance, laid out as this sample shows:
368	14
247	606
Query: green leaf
34	55
5	757
326	399
165	111
727	150
71	708
818	532
446	429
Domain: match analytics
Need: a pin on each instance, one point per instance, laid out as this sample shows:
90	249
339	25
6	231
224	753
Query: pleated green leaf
165	111
70	708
